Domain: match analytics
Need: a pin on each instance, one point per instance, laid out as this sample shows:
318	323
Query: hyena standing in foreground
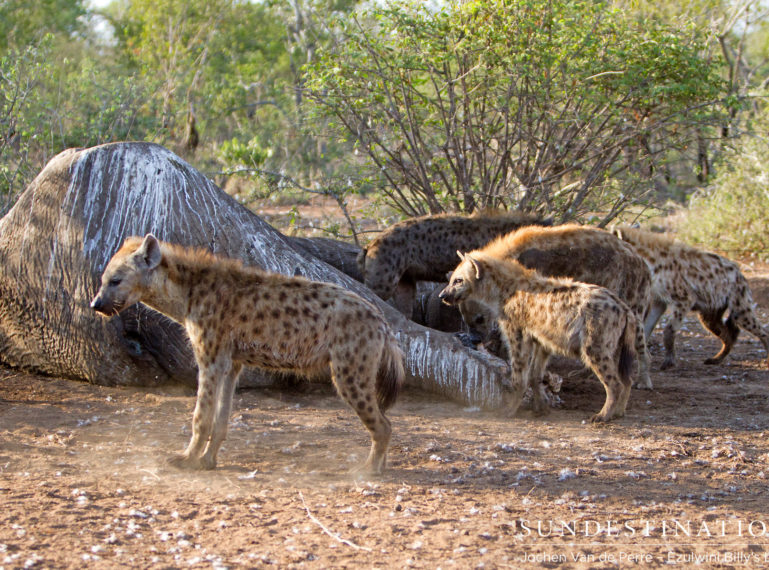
585	254
238	316
560	316
424	249
690	279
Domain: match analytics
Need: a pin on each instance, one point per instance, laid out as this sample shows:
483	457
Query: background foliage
564	107
730	214
576	109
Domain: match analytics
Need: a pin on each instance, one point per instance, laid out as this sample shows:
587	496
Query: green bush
562	107
21	73
731	214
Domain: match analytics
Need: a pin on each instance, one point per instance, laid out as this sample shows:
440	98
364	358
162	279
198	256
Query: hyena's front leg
222	410
644	381
655	312
535	377
211	379
404	295
669	337
519	348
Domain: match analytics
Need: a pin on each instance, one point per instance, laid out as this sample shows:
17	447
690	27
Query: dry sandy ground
680	479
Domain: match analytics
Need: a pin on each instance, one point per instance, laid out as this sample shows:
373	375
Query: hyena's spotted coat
423	249
582	253
541	314
690	279
238	316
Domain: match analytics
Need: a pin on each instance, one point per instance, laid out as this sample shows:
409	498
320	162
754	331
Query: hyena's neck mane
181	272
646	238
508	277
184	265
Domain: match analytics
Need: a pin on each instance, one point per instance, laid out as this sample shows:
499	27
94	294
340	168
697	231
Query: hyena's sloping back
237	316
425	248
585	254
686	278
685	272
540	316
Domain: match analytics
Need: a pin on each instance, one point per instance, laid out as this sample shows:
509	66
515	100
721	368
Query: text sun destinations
642	528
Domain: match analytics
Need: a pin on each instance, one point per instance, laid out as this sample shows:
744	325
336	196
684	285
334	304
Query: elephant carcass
58	237
339	254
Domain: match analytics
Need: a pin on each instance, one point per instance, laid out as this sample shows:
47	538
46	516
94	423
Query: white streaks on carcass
454	372
125	189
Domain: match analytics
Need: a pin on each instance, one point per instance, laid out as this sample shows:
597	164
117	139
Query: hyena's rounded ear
149	251
461	255
477	265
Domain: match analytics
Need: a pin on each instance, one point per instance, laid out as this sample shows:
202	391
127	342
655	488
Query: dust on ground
680	480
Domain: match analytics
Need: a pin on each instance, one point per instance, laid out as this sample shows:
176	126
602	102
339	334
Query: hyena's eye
115	281
458	281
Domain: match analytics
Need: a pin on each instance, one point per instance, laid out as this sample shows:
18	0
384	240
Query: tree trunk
57	239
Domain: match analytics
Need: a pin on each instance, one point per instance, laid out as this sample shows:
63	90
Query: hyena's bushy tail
391	373
627	352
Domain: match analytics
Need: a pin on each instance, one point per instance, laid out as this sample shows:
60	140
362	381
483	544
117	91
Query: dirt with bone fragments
681	479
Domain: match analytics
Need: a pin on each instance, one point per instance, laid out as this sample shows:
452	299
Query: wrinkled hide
57	239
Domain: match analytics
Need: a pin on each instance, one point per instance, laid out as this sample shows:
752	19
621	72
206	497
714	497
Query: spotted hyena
423	249
543	315
238	316
582	253
690	279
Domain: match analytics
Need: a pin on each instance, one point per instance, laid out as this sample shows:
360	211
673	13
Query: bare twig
338	196
325	529
155	475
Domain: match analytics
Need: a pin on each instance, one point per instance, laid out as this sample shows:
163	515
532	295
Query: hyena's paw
183	461
601	417
667	364
641	385
369	470
540	410
365	474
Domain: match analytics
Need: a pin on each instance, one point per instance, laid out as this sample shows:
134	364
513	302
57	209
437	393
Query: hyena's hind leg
603	359
616	399
747	320
727	331
354	375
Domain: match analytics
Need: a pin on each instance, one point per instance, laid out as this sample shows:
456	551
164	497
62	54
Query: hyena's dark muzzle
449	295
105	306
